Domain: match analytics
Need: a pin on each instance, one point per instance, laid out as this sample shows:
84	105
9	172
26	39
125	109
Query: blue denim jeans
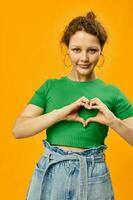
71	175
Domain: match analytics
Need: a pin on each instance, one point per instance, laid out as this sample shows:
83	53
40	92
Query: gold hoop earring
99	66
65	63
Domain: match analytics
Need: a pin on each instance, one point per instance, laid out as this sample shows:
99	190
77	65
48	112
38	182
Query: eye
93	50
75	49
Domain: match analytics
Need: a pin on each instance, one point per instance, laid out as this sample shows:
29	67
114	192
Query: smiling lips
85	66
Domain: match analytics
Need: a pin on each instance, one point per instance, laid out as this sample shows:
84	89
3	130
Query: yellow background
30	53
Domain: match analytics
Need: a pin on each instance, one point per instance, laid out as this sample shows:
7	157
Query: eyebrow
88	47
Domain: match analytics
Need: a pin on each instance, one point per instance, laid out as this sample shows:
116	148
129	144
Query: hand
70	112
104	116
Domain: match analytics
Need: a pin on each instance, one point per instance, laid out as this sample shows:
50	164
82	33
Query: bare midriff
71	148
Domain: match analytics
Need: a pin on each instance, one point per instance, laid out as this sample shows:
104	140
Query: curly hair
88	24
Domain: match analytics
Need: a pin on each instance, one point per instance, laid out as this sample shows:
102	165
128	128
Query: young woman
76	110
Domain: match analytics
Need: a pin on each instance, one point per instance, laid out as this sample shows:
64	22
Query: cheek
74	57
94	58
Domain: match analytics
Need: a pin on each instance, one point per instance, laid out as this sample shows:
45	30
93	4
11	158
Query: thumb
80	119
91	119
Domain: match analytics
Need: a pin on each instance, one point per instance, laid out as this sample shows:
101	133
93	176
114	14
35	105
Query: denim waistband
94	154
89	151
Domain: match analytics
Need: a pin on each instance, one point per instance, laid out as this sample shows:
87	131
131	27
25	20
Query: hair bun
90	15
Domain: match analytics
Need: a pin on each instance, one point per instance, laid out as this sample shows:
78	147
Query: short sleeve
123	106
39	97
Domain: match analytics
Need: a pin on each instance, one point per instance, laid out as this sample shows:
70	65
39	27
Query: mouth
85	66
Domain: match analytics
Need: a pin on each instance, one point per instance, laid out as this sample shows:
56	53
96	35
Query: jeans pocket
100	183
99	173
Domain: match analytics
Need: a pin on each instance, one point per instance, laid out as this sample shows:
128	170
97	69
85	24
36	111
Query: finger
80	119
94	107
91	119
96	101
81	104
84	99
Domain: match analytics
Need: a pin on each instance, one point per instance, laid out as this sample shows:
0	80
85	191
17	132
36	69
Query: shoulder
112	91
117	93
48	82
116	90
51	83
111	87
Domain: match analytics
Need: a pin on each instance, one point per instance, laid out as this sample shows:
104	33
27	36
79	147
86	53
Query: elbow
15	134
131	144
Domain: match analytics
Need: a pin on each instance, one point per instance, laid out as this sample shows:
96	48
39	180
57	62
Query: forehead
81	38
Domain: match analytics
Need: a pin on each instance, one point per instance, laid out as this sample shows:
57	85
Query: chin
86	72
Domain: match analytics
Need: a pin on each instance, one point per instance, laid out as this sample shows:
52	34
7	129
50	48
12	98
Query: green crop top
56	93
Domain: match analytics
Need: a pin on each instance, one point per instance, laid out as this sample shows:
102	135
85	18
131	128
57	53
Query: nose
84	57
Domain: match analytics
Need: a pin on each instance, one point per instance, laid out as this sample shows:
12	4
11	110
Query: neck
80	77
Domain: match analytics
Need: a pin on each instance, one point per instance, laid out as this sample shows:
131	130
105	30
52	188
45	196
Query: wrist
58	114
114	122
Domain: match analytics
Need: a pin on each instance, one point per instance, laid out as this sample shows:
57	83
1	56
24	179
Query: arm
124	128
105	116
27	126
29	123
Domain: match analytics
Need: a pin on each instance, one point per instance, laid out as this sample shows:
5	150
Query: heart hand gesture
104	116
70	112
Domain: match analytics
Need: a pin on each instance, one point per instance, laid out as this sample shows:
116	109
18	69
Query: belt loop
92	163
48	155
